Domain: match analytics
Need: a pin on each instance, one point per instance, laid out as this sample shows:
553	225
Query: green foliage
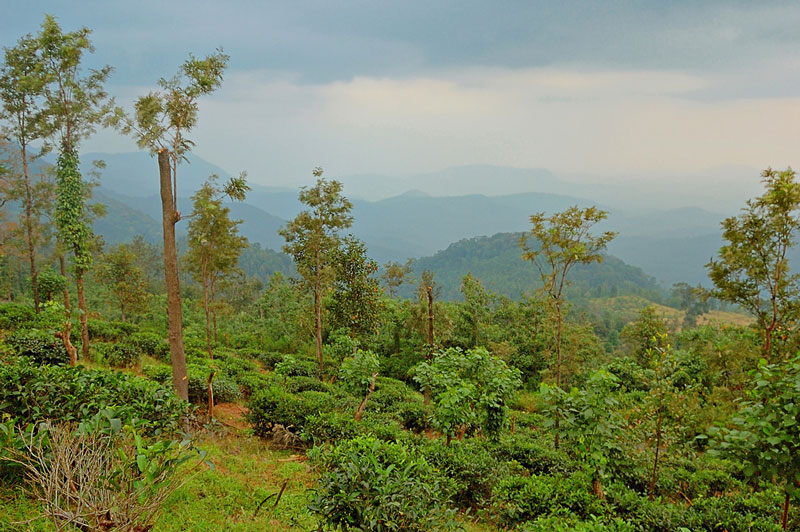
752	269
358	372
149	343
37	393
15	315
119	355
41	346
291	366
517	499
471	467
50	283
110	330
370	485
118	272
590	420
273	406
225	388
647	332
468	387
330	427
355	302
765	434
74	231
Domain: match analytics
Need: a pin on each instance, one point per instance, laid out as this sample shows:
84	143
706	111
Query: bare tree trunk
426	393
785	511
318	315
214	308
654	476
558	367
29	228
170	217
122	311
84	315
206	308
597	487
363	404
64	335
429	290
63	269
210	397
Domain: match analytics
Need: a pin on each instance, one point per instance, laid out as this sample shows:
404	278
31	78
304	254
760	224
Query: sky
592	91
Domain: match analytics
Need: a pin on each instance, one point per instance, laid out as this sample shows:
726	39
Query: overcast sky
586	89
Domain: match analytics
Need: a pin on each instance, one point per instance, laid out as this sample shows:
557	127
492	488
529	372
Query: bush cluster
31	393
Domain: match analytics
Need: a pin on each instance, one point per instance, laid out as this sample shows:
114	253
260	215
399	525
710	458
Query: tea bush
369	484
41	346
15	315
30	393
273	405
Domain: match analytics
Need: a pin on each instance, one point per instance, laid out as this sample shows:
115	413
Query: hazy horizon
655	95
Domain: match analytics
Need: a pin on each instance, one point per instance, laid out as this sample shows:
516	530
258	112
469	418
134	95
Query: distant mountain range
671	244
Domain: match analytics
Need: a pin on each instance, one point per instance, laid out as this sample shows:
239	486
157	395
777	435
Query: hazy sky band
637	88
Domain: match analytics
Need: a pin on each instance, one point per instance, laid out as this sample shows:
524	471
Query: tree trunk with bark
84	315
170	217
206	307
29	228
318	313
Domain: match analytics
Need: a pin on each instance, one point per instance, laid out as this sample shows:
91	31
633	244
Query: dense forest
176	376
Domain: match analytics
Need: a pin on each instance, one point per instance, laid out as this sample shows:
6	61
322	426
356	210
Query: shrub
151	344
31	394
110	330
268	359
329	427
517	499
535	455
123	355
274	406
225	389
290	366
369	484
470	465
306	384
41	346
15	315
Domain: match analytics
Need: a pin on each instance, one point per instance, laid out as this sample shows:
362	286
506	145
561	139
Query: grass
245	472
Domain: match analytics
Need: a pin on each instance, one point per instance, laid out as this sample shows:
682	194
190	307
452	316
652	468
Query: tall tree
76	103
394	275
752	269
355	302
22	84
311	238
160	121
117	270
563	241
214	240
474	311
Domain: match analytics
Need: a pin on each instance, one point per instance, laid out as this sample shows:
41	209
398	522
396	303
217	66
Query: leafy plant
370	485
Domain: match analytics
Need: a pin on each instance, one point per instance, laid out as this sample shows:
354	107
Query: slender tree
22	84
117	270
394	275
159	123
355	302
752	269
214	240
563	241
76	103
312	237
